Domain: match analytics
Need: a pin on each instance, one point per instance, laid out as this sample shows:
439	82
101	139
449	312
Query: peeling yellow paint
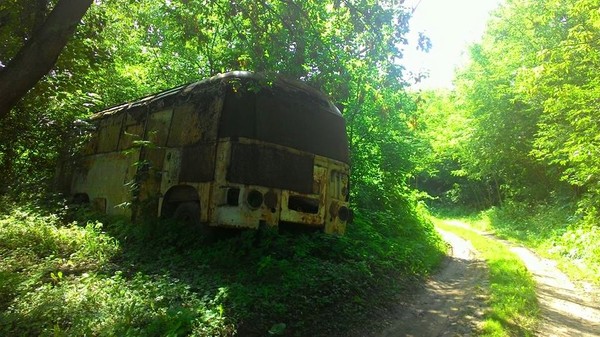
146	157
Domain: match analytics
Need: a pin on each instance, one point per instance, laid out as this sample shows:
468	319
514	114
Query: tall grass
555	231
108	277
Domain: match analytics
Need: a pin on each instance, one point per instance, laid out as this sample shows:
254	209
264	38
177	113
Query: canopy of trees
122	50
525	110
41	46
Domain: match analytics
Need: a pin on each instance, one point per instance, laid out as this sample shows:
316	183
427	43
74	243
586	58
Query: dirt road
452	302
566	309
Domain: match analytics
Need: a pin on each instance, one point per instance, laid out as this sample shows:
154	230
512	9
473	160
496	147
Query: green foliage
552	82
34	133
553	231
114	278
502	122
528	138
38	249
110	277
512	139
444	130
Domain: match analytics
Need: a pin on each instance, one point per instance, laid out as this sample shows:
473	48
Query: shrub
109	277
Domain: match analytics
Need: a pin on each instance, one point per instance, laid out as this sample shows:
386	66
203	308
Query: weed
92	275
553	231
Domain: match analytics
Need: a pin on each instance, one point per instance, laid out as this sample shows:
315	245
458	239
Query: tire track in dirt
451	302
566	309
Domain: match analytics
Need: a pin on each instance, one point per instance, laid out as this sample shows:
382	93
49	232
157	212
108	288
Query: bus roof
293	85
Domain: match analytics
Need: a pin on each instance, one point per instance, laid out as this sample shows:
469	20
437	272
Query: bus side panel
108	180
191	146
195	121
151	164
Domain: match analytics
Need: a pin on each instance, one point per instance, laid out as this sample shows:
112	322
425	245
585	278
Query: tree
40	52
529	97
349	49
504	117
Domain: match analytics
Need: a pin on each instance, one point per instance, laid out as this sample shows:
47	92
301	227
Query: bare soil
452	301
566	309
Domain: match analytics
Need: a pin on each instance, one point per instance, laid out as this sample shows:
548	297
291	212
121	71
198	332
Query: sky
452	25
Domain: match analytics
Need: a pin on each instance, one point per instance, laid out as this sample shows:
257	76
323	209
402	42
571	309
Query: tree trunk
39	54
498	193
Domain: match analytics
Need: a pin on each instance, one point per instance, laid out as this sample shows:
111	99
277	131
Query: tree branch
40	53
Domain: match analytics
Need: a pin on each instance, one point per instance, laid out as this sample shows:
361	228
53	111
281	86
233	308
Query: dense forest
78	273
520	131
517	138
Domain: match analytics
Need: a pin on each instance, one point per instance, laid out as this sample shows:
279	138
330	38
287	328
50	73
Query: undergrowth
554	230
90	275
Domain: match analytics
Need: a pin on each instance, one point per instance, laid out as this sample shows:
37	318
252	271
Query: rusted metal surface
264	165
107	176
286	115
198	163
274	155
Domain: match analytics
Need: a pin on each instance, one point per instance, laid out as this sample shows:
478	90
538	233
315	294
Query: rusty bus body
232	151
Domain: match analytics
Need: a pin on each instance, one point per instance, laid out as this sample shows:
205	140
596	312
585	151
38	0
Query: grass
513	305
87	275
554	231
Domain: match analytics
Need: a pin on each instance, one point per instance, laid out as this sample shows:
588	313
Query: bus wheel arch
176	196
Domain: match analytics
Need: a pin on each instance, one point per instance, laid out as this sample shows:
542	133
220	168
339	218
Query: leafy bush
108	277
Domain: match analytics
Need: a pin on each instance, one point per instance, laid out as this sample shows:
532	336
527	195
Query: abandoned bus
234	150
